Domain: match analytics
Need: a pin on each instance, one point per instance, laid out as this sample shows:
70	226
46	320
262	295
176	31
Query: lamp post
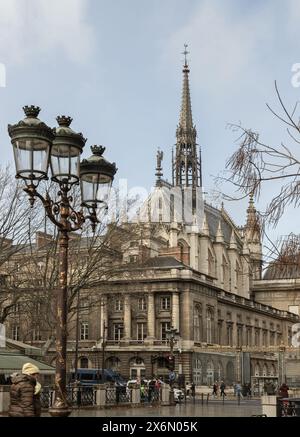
36	148
172	336
103	351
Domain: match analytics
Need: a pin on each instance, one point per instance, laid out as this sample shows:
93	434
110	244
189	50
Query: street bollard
207	398
202	398
223	398
239	398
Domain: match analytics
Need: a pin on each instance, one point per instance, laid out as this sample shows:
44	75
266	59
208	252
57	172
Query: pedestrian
215	389
25	393
193	390
239	390
222	387
187	390
142	389
283	391
249	393
151	388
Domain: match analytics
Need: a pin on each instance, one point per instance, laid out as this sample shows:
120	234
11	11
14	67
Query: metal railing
117	395
287	408
76	396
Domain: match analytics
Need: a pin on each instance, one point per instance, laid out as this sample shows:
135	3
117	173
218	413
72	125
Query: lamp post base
61	411
171	397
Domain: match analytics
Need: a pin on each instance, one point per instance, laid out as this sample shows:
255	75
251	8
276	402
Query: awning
13	362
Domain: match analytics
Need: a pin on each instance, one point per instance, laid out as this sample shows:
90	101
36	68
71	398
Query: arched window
273	370
197	372
113	363
180	245
211	264
257	370
225	273
210	373
209	317
230	372
238	279
220	372
265	370
84	363
198	323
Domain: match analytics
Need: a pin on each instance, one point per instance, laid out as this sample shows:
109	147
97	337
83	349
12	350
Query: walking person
222	387
193	390
25	393
284	391
239	391
215	390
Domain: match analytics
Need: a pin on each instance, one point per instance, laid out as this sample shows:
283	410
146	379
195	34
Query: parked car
94	376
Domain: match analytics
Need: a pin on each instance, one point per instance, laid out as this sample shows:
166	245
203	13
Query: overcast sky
115	67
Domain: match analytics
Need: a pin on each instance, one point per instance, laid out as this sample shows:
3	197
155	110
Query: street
215	408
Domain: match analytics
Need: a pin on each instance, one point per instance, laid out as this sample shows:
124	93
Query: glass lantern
31	140
65	152
96	176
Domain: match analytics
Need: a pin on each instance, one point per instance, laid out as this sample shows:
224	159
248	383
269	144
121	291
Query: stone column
103	317
127	317
151	317
100	396
175	311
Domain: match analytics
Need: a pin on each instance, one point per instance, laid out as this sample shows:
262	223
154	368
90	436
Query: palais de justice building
191	269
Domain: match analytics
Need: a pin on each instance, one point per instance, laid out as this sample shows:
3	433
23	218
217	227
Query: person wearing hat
25	393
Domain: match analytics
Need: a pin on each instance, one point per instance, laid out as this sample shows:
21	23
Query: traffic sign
172	376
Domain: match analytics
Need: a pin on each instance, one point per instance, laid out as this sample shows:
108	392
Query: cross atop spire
185	53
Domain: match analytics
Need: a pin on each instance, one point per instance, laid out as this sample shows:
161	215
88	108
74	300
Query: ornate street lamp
36	147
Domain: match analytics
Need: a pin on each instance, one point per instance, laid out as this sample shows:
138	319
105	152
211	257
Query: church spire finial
159	172
185	53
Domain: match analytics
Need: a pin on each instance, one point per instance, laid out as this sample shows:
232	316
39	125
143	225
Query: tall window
211	264
142	304
119	305
15	332
257	337
16	309
165	303
225	271
85	303
219	340
36	334
209	326
197	323
84	331
84	363
238	279
229	334
165	326
240	335
141	331
248	339
118	331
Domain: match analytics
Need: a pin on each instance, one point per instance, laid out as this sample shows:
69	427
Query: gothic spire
186	165
186	118
252	229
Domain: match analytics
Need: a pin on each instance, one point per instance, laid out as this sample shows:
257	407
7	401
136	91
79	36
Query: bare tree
256	163
18	222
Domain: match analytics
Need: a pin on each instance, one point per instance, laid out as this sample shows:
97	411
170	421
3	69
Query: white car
178	395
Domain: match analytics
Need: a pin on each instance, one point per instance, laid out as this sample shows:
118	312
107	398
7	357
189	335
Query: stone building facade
192	269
